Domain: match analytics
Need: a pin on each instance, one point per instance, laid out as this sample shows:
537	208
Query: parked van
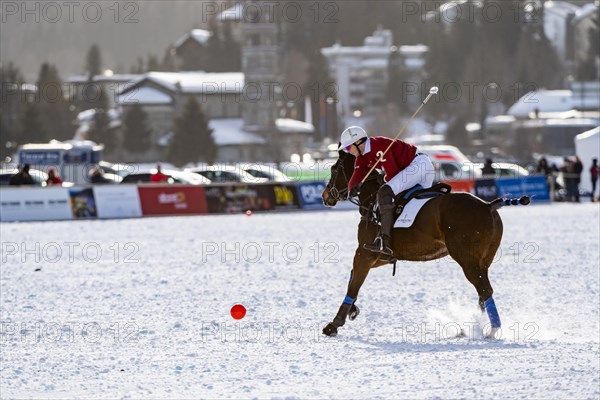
72	159
449	162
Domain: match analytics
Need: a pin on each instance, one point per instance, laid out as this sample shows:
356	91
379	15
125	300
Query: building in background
567	26
362	72
191	50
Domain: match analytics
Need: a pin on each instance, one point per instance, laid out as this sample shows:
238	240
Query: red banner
461	185
172	200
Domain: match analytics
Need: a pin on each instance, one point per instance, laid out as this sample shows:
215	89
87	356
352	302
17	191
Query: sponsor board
486	189
34	204
281	196
117	201
237	198
83	204
535	187
461	185
310	194
172	200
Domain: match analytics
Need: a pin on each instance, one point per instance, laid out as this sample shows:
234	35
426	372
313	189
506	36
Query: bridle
339	195
333	191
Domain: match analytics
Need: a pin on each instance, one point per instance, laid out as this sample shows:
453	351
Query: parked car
174	176
268	172
113	178
226	174
503	170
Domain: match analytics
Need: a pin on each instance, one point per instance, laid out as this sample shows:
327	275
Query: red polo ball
238	311
249	213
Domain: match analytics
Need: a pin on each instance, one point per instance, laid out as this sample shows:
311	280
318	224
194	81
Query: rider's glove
355	190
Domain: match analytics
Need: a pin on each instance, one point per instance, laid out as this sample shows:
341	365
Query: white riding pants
419	171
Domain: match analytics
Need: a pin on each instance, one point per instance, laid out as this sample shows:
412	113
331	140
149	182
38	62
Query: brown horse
456	224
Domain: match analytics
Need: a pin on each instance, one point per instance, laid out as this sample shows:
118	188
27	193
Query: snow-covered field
140	309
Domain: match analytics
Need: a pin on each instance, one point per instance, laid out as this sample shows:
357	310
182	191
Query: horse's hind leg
478	276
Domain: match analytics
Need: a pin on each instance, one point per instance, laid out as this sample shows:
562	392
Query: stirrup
378	247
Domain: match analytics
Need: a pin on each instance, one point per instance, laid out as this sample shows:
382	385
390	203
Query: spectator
569	178
548	171
158	176
487	168
22	177
53	178
577	169
594	171
543	167
98	176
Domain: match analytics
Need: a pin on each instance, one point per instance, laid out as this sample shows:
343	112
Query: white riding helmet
351	135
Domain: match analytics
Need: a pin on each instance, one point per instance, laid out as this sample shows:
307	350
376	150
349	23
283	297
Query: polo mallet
434	90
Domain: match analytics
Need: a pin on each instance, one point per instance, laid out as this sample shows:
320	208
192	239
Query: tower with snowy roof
261	66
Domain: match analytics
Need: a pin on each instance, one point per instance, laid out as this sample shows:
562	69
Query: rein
366	211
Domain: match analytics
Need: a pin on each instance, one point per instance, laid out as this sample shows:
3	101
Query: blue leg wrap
492	312
348	300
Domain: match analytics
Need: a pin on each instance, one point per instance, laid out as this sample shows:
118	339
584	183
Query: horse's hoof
492	333
330	330
354	312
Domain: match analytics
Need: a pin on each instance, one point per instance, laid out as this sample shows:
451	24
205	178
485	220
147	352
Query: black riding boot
383	243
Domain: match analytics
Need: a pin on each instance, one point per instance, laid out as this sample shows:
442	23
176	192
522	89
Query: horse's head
337	187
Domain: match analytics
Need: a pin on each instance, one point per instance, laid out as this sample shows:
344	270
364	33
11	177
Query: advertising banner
309	194
83	204
461	185
281	196
34	204
486	189
172	199
237	198
117	201
534	186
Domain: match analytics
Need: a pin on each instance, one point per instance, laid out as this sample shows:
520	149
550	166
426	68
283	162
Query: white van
72	159
449	162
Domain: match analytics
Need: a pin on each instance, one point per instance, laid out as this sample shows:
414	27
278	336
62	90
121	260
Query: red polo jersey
398	157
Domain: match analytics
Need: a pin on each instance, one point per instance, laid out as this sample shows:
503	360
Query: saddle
418	192
403	198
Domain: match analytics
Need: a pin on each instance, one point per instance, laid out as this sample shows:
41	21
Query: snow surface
153	326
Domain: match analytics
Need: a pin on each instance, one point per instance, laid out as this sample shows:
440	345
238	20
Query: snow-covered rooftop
585	11
230	132
88	115
145	95
199	81
414	50
104	78
587	134
337	50
543	101
499	120
199	35
287	125
374	63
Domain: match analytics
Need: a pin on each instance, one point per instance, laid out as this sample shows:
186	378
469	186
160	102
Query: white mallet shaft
433	91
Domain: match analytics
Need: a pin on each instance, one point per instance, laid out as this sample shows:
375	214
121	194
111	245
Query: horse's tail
499	203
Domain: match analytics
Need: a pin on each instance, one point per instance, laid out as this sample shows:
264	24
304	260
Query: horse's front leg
360	270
